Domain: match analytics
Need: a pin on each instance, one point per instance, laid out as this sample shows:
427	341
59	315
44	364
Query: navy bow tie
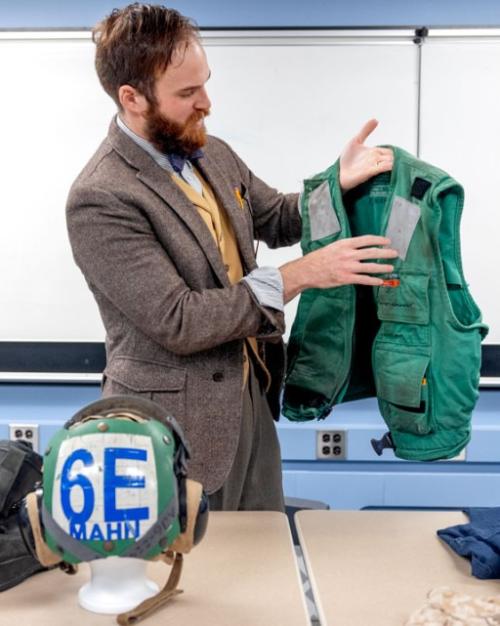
178	161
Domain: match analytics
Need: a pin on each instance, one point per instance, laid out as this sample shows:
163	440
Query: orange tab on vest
391	282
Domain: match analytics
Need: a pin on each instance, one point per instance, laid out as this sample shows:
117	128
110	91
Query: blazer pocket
161	382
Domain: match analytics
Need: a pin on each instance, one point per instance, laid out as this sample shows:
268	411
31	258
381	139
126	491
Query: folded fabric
479	541
445	607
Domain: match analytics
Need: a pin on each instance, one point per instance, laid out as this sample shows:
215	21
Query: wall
262	13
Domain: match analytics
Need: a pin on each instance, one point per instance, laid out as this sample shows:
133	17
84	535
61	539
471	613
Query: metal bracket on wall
420	35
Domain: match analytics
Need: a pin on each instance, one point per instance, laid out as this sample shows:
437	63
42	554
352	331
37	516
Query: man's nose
203	102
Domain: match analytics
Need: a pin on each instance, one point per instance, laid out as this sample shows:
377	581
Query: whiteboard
286	102
460	132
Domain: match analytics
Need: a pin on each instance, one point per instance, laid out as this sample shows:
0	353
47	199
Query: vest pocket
402	390
408	302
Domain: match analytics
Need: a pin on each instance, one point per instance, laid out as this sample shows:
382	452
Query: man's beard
169	136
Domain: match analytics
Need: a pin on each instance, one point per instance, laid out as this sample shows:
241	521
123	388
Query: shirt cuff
266	284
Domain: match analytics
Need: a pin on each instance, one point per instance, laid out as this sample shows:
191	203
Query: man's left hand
358	162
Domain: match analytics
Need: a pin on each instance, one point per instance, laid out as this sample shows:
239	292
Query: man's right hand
344	262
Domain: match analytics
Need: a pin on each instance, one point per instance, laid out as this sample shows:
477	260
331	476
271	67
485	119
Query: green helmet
114	481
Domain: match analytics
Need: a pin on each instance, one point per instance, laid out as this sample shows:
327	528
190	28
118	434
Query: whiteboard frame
218	37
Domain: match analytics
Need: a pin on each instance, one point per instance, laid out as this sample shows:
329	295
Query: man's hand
358	162
344	262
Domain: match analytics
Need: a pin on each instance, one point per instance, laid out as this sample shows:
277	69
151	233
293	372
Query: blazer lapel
225	195
159	181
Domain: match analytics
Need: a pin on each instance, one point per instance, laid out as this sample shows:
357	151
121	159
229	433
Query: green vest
422	329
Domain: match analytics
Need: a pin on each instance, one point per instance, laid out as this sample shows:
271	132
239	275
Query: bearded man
162	222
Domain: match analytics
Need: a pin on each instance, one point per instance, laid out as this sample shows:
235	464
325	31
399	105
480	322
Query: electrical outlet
25	432
331	445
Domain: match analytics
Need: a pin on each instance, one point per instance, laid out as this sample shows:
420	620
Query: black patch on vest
419	187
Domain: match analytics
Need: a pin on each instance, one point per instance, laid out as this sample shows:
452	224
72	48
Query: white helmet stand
117	584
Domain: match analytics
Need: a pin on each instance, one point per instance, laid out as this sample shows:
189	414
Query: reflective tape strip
151	539
66	541
322	217
402	223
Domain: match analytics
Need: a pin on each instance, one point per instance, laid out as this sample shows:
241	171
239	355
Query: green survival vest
422	328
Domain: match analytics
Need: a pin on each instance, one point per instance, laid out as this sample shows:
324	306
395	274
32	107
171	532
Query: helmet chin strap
174	556
181	545
150	605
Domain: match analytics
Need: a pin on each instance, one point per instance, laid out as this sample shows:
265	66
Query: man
164	236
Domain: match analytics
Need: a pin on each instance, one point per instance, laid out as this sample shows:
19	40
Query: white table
374	568
243	573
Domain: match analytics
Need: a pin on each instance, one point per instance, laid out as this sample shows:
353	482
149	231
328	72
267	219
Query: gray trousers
254	482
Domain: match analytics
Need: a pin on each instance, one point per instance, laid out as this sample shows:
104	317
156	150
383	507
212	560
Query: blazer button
217	377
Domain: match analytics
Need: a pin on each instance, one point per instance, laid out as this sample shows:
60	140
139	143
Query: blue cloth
479	541
178	161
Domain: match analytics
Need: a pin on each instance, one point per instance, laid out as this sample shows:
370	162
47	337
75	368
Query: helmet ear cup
201	523
182	498
193	515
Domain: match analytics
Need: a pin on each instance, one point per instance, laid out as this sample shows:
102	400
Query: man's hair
135	44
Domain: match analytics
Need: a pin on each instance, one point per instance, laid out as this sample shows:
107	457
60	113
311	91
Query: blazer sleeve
126	267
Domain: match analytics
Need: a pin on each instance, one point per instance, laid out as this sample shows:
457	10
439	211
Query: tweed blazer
175	326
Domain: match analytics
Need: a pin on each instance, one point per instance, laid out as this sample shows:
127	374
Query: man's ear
131	100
